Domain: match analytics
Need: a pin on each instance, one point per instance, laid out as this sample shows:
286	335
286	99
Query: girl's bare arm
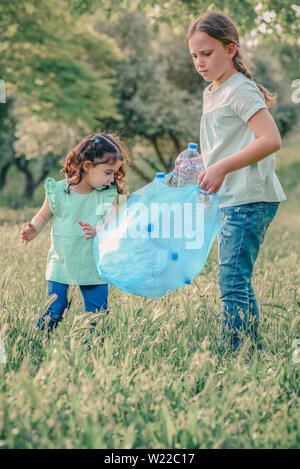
268	141
41	219
37	224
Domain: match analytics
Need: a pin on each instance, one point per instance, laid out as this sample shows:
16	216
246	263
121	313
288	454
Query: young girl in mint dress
238	139
79	206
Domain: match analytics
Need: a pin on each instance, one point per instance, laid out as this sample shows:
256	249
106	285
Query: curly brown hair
222	28
99	148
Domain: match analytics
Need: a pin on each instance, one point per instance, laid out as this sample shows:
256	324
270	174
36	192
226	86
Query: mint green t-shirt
224	131
70	258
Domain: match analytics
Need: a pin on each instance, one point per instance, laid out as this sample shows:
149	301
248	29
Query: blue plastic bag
160	240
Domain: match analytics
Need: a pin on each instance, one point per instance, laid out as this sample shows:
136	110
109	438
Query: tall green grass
159	380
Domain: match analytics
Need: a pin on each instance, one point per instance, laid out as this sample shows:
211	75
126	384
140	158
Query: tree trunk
30	184
8	160
139	172
154	142
3	173
22	165
175	141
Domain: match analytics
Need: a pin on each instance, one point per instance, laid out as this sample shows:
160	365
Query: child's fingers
88	232
201	177
28	233
24	238
23	235
204	184
84	225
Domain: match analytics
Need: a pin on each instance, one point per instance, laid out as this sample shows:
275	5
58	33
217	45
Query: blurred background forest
74	67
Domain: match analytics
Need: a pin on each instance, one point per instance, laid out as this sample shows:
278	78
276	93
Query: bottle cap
160	175
192	146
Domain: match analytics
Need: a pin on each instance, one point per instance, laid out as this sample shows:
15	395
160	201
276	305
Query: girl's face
211	58
98	176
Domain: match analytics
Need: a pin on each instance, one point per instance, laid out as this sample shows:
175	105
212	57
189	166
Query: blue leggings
94	296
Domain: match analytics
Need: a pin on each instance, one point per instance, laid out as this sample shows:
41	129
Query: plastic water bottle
188	153
161	177
189	172
190	166
3	356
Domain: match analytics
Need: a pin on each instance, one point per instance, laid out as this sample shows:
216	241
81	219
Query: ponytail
240	66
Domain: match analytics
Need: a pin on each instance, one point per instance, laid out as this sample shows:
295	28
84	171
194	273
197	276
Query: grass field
159	380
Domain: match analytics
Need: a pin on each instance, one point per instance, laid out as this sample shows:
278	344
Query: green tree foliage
160	93
276	66
56	62
73	66
7	138
281	18
56	67
154	91
278	19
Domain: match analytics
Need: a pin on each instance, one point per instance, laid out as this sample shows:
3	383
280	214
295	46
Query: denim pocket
235	221
266	213
236	217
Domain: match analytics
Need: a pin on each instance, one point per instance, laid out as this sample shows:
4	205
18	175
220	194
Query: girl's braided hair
97	148
222	28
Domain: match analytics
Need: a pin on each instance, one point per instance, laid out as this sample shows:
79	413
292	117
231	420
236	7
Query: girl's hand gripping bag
160	240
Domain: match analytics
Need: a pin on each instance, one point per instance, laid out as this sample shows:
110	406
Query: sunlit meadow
159	380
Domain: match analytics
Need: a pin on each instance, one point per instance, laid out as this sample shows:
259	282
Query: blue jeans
94	296
239	242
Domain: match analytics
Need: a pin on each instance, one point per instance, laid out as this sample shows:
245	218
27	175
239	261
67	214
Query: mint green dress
70	258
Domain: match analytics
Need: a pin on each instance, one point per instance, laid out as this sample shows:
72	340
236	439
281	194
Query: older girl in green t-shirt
238	139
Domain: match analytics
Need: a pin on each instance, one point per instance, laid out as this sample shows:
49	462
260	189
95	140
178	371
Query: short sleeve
247	99
51	189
